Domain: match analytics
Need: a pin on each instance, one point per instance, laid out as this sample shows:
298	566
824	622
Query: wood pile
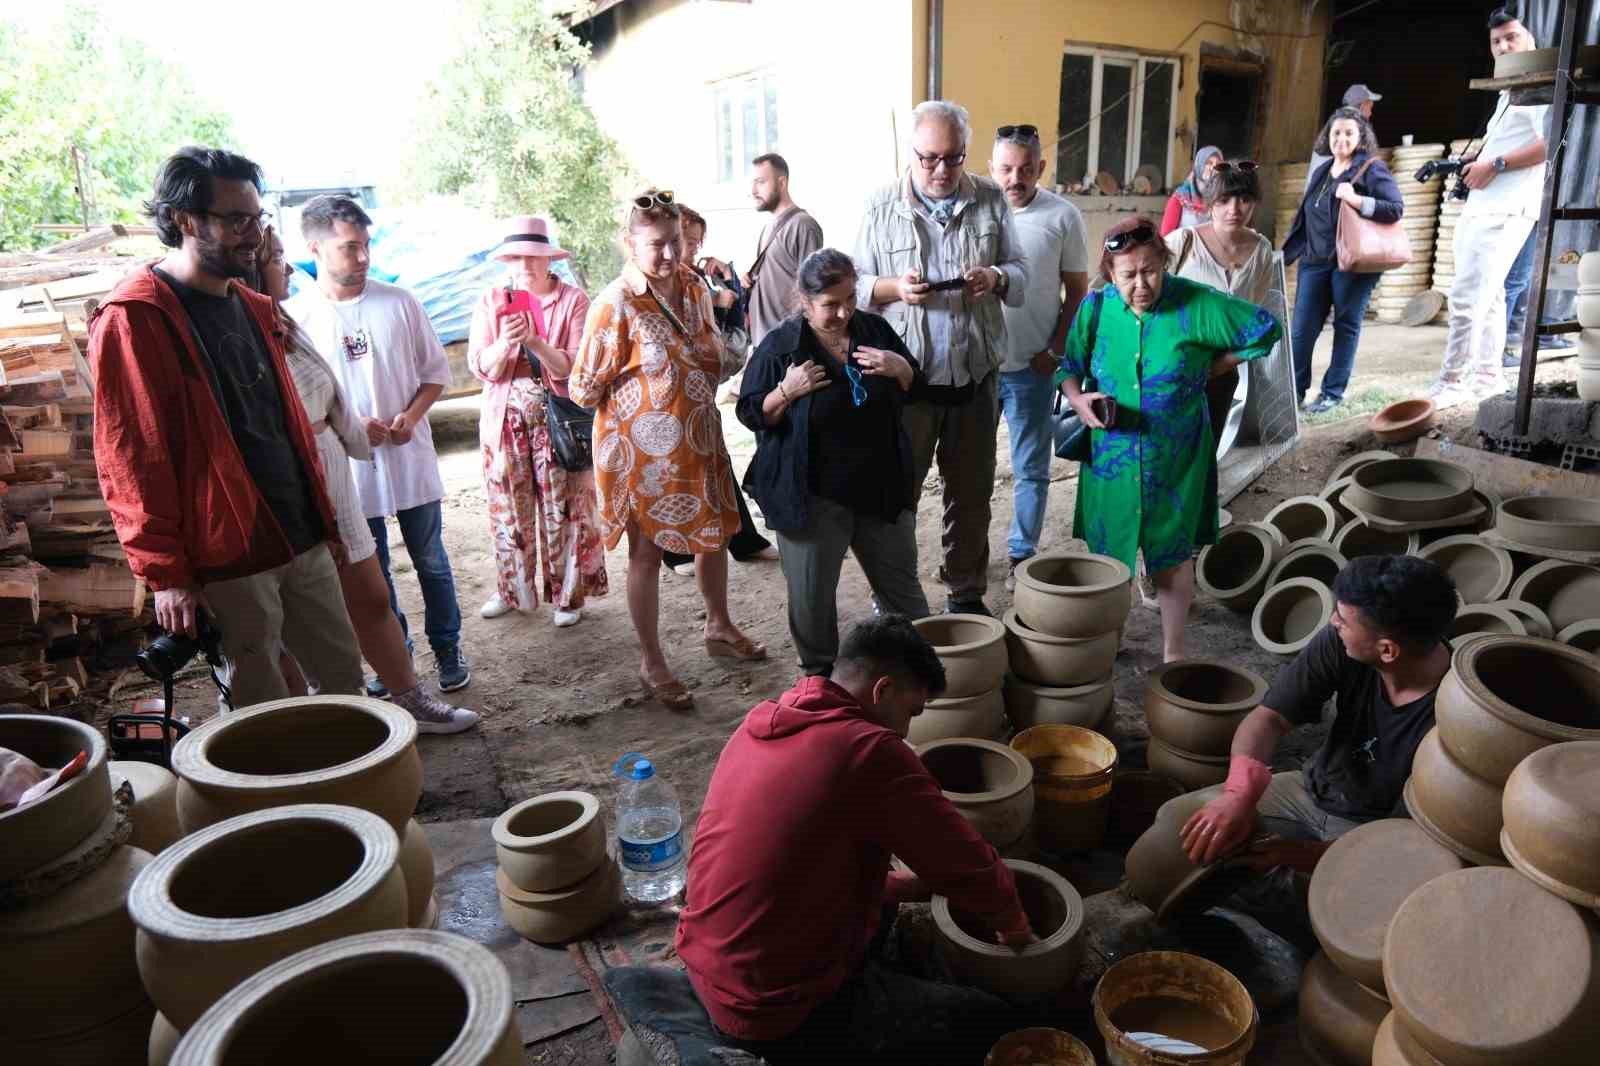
1420	223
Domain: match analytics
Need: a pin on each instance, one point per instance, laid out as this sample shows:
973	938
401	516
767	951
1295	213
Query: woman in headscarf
1187	204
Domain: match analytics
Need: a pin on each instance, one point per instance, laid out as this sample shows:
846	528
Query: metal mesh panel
1270	422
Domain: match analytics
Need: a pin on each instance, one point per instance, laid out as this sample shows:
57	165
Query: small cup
1408	140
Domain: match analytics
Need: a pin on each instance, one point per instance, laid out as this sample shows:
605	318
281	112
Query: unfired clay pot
1196	705
1073	594
1456	808
1073	771
1552	820
1533	618
1568	523
404	998
1356	462
1290	614
991	785
1180	995
972	648
163	1041
550	841
1190	770
1338	1019
1393	1046
1334	494
37	833
416	866
238	896
1318	560
554	917
1060	662
1028	705
983	715
1160	874
1584	635
1411	490
1357	539
1482	572
1567	592
155	803
1234	570
1303	517
1486	618
1022	975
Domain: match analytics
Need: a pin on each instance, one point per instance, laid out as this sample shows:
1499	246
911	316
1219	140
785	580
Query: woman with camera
1138	358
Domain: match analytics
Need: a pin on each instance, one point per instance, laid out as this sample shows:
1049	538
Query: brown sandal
744	649
670	694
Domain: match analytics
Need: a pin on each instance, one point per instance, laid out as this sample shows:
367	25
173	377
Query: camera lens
163	657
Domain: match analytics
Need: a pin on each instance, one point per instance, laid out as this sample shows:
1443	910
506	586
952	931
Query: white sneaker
434	715
563	619
684	569
494	607
1454	396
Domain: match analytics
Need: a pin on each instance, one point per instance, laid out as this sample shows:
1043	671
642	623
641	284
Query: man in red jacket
789	872
205	454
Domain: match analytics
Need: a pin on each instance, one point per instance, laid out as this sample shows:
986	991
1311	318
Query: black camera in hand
169	653
1434	168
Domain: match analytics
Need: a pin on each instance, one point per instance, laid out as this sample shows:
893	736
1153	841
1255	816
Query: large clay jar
1178	995
1234	570
1506	697
1073	777
1303	518
1060	662
1393	1046
972	648
550	841
1291	614
554	917
1028	705
1551	807
983	715
37	833
1485	968
1073	594
1029	974
1482	572
155	803
1197	704
1338	1018
1189	769
1457	808
238	896
991	785
1567	592
315	749
406	998
416	866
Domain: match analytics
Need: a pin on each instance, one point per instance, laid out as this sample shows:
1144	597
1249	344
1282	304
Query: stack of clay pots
556	880
972	648
1297	600
1444	246
1562	589
1291	190
988	783
1589	319
1193	707
1061	638
1420	223
1028	975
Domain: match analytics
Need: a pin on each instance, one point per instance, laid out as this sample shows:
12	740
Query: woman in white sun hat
542	516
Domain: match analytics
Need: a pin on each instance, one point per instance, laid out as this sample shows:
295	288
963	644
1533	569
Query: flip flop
744	649
670	694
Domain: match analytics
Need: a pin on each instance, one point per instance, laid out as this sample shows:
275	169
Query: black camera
1445	167
163	657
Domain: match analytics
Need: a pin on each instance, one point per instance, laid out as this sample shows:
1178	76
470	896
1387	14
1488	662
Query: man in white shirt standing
1507	180
383	349
1051	234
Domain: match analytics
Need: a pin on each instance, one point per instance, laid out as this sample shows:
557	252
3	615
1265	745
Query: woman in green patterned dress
1148	342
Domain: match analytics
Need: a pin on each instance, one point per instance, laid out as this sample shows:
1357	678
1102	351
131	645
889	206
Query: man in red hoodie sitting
789	872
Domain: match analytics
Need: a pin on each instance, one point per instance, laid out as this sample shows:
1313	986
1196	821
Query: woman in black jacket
833	470
1348	138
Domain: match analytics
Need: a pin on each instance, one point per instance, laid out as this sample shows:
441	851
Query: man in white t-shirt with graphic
379	342
1051	233
1507	181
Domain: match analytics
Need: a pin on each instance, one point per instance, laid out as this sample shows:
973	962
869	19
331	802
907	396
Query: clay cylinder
983	715
1028	704
1179	995
1190	770
1355	538
1234	570
1457	808
1196	705
416	866
1317	560
1291	614
1393	1046
1569	523
553	917
155	804
991	785
1073	594
1567	592
1482	572
40	832
1338	1018
550	841
1058	662
972	648
1030	974
1073	769
1551	807
1303	518
1486	618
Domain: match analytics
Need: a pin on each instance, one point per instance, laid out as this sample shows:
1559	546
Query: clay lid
1484	966
1361	882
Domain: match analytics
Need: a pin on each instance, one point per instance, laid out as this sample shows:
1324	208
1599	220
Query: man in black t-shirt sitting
1381	657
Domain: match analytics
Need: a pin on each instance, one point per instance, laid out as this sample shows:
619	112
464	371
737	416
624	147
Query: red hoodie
787	873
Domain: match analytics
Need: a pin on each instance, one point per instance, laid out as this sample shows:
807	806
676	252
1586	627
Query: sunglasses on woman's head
1025	131
1141	234
659	198
1243	166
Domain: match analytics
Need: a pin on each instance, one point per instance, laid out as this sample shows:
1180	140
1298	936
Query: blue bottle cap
635	766
642	770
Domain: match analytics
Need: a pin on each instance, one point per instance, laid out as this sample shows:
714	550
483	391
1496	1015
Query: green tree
504	127
77	84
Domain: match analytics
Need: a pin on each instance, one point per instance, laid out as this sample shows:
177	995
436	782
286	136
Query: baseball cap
1359	94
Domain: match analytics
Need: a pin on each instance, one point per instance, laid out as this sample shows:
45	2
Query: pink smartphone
520	301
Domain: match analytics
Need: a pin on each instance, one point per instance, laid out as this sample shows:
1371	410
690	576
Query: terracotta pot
1073	594
1160	874
1318	560
554	917
1334	494
1481	571
1486	618
1073	769
1234	570
972	648
1030	974
1485	968
991	785
1403	421
1567	523
1136	796
1190	770
445	1000
1338	1019
1349	466
1039	1047
1061	662
163	1041
1302	517
37	833
551	841
240	895
1197	704
983	716
1567	592
1506	697
155	803
1028	705
416	866
118	1040
1552	820
1393	1046
1179	995
1456	808
76	949
1533	618
1411	490
1290	614
1357	539
1584	635
313	749
1359	884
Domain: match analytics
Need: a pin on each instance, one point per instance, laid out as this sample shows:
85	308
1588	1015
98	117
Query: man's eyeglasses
1243	166
238	222
858	387
658	198
930	163
1024	132
1142	234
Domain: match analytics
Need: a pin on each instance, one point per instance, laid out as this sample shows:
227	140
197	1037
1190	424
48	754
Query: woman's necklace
838	348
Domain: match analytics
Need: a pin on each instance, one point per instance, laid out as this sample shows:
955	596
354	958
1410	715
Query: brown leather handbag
1365	246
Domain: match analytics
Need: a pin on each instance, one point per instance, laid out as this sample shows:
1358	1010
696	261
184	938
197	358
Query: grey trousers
962	439
813	557
299	605
1287	810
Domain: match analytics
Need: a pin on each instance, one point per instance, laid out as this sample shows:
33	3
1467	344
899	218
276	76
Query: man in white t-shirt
1507	180
1050	231
381	346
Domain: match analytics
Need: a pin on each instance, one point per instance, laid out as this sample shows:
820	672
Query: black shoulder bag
570	426
1071	435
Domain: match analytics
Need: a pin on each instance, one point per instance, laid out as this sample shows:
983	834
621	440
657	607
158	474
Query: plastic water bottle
649	831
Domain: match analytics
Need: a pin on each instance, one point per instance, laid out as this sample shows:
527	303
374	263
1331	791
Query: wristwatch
1499	164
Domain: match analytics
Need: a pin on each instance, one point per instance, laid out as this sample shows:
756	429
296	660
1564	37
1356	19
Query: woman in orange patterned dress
649	363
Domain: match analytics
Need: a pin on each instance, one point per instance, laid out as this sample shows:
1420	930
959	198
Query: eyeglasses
1243	166
238	222
658	198
858	387
1141	234
1024	132
930	163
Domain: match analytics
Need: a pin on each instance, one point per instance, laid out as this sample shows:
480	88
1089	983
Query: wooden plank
15	324
103	588
1508	476
19	593
45	443
92	241
43	416
82	508
35	389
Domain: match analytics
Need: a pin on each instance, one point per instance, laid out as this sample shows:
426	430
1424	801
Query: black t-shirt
1361	769
247	387
855	450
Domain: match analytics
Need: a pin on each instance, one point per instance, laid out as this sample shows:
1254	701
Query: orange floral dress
651	376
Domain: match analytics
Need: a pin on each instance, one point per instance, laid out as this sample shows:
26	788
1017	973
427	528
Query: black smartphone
947	284
1105	409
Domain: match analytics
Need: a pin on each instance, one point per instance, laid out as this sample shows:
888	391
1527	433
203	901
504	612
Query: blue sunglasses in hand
858	387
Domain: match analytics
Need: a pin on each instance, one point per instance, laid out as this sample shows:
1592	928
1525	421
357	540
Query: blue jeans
422	528
1025	398
1321	286
1517	282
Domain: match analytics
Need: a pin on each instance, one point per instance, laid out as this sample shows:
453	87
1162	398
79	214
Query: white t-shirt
383	349
1516	192
1051	233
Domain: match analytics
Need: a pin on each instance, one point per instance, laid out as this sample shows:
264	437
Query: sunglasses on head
659	198
1143	233
1026	132
1243	166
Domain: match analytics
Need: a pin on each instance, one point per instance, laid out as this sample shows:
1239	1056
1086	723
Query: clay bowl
444	1001
1567	592
1196	705
1349	466
972	648
1318	560
991	785
1481	571
1485	968
1028	705
1393	1046
1161	876
1179	995
983	715
1060	662
1584	635
1303	517
1567	523
37	833
1039	1047
1456	808
550	841
1334	494
566	913
1411	490
1552	820
1338	1019
1234	570
1290	614
1403	421
1073	594
155	803
1073	778
1533	618
1506	697
1357	538
1136	796
1027	975
1189	769
1486	618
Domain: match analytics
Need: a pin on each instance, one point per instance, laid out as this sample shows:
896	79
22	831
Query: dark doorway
1228	104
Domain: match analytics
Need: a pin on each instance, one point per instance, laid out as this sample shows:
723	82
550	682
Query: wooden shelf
1576	214
1541	79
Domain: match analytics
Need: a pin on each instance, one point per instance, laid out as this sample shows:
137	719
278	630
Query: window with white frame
745	113
1118	110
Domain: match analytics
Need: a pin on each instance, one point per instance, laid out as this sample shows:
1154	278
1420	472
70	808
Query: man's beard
217	260
348	281
769	203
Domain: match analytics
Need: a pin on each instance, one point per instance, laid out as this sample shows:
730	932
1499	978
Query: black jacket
1377	183
779	475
